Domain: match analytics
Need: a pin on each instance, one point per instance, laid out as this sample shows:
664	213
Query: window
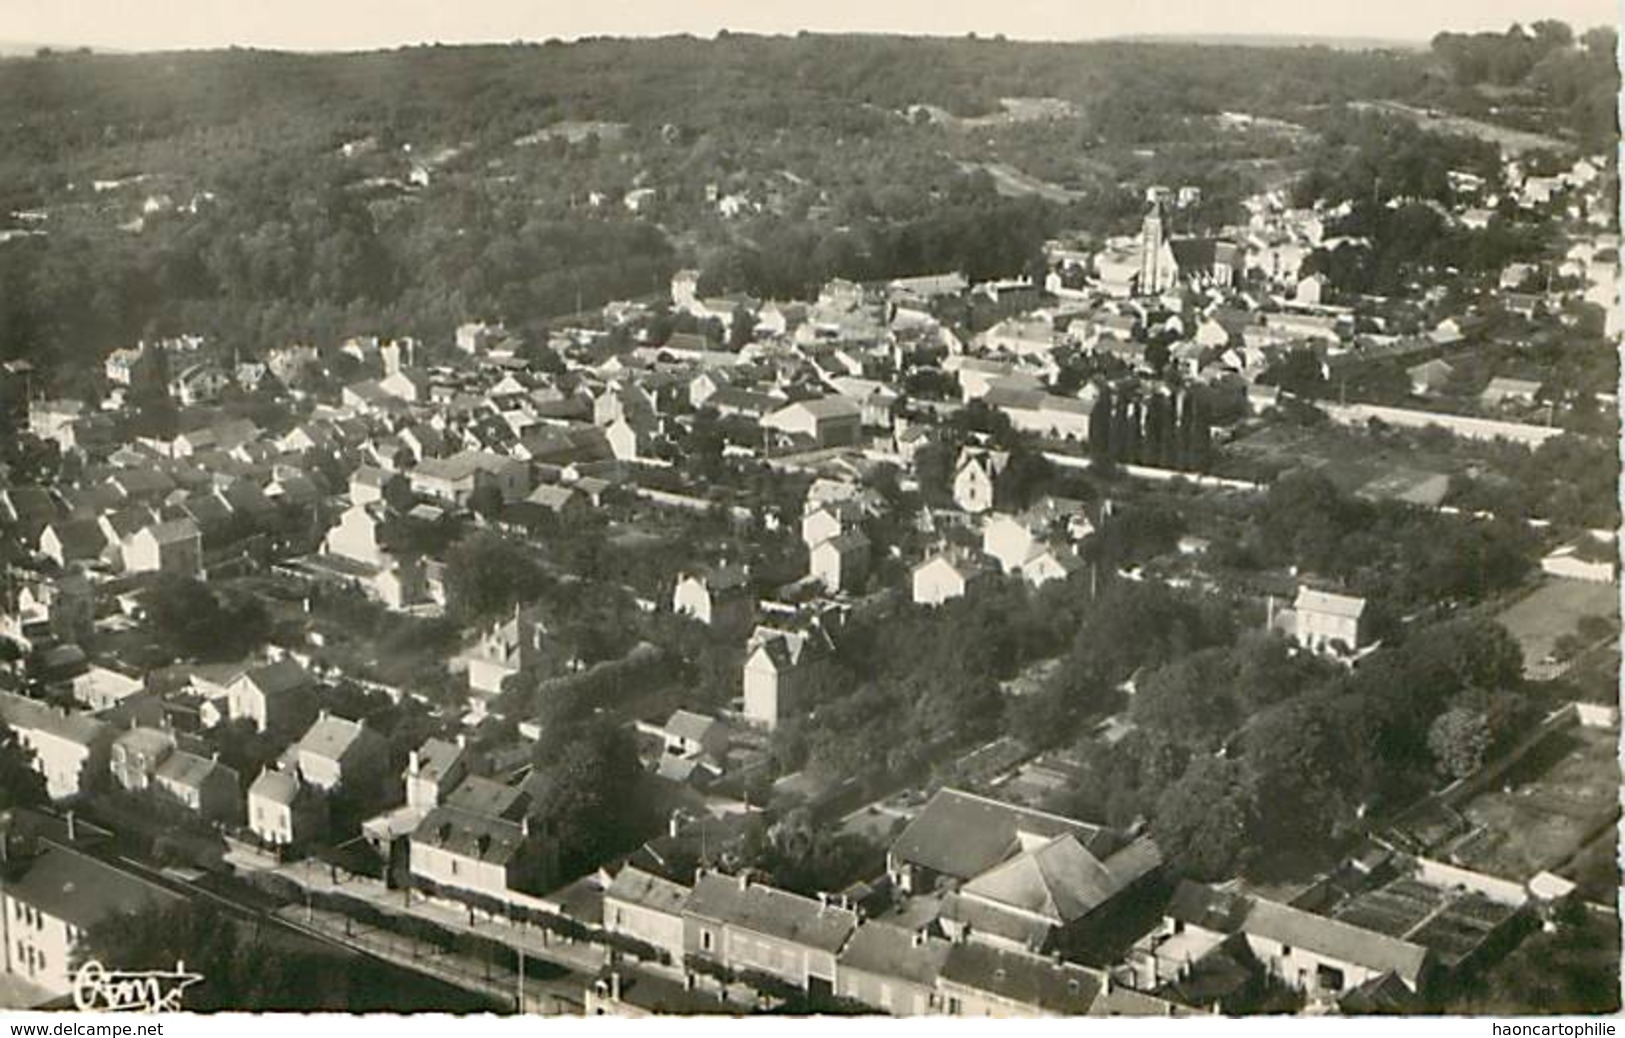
1286	951
706	943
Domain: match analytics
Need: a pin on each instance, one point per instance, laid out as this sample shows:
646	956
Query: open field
1510	141
1349	458
1013	183
1546	808
1556	608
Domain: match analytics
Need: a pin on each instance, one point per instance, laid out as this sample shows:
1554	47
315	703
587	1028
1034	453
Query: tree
21	785
1459	739
487	574
587	800
193	622
1205	821
1295	753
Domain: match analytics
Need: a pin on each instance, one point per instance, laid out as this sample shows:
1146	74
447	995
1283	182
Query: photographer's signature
98	989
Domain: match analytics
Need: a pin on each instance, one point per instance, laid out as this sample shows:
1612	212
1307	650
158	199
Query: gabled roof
332	737
469	835
190	770
1335	940
1345	606
771	912
962	835
1064	989
826	407
850	541
1205	907
487	797
285	675
83	891
436	757
276	786
176	531
78	538
1061	880
685	724
892	951
23	713
634	886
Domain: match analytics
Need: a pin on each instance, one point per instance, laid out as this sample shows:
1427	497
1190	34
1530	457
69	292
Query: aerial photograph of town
895	522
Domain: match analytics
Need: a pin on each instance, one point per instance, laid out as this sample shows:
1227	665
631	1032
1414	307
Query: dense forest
256	197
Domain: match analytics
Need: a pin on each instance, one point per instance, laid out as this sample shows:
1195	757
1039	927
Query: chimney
615	986
688	980
524	825
917	938
744	880
675	824
413	764
72	827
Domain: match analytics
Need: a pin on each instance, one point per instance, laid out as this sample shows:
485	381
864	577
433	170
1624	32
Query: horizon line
27	49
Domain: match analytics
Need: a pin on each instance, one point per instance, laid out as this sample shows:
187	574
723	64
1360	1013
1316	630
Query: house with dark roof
72	540
974	477
749	927
1046	899
647	907
779	665
892	968
273	696
718	597
336	753
978	980
829	421
59	897
840	563
202	785
455	851
958	836
434	769
175	547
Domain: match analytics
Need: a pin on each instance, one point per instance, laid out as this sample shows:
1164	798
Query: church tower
1153	240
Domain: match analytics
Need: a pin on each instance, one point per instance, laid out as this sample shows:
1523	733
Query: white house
944	576
974	478
1324	620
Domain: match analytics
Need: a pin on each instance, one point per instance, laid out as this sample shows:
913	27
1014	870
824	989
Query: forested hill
214	192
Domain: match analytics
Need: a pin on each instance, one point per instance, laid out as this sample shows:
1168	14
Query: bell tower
1152	237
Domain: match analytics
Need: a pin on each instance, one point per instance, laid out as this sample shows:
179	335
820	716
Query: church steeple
1153	237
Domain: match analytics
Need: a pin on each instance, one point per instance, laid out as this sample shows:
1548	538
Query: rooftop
766	910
